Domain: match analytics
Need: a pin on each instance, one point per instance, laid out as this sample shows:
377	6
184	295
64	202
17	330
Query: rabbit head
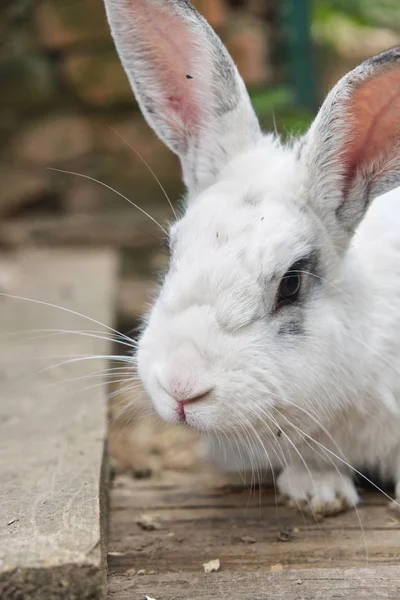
249	318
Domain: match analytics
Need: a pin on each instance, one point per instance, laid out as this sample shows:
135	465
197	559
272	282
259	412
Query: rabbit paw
317	493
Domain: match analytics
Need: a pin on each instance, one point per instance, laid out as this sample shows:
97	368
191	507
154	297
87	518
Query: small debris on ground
299	581
12	522
143	473
149	598
116	553
141	572
246	539
148	523
112	474
212	566
286	534
276	568
131	572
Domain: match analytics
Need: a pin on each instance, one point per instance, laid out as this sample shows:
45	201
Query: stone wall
65	102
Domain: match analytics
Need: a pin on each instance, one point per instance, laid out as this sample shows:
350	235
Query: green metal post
296	23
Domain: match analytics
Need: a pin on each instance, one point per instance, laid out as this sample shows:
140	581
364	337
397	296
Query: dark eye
289	287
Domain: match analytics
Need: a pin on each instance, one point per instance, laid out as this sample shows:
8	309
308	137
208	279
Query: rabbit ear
353	147
188	87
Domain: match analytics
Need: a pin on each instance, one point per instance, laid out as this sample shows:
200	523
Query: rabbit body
276	330
318	460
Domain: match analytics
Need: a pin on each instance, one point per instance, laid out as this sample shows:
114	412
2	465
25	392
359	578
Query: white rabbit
277	329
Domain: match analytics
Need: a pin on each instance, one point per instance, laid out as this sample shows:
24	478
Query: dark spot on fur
350	210
252	200
386	57
293	327
300	148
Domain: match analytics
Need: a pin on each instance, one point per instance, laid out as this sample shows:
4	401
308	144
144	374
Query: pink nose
184	392
194	398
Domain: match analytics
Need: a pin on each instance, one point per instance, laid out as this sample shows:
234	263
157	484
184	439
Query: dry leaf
212	566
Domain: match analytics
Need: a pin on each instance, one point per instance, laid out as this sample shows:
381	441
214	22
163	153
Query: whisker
67	362
68	310
113	190
49	333
147	167
331	461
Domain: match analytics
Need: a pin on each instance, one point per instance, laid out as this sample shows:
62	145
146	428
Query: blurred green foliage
276	107
375	13
271	99
276	110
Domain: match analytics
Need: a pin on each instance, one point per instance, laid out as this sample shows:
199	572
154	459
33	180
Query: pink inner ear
172	63
375	125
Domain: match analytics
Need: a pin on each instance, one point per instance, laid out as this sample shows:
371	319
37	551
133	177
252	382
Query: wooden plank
266	551
314	584
53	424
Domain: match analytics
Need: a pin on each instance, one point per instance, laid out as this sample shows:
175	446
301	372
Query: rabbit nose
185	376
195	397
185	387
184	395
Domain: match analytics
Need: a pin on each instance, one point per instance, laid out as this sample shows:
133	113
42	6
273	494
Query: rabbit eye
290	286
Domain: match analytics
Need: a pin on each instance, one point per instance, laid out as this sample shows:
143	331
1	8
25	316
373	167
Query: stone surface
215	11
133	138
116	229
20	186
53	425
62	87
26	80
98	78
61	24
135	297
84	197
247	43
54	139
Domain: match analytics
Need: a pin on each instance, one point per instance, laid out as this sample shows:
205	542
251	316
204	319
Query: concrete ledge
53	425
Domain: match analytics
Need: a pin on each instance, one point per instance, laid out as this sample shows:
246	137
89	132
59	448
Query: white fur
314	404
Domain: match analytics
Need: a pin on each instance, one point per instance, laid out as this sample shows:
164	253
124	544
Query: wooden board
53	424
267	552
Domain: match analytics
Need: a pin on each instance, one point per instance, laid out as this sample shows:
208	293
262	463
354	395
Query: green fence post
296	25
